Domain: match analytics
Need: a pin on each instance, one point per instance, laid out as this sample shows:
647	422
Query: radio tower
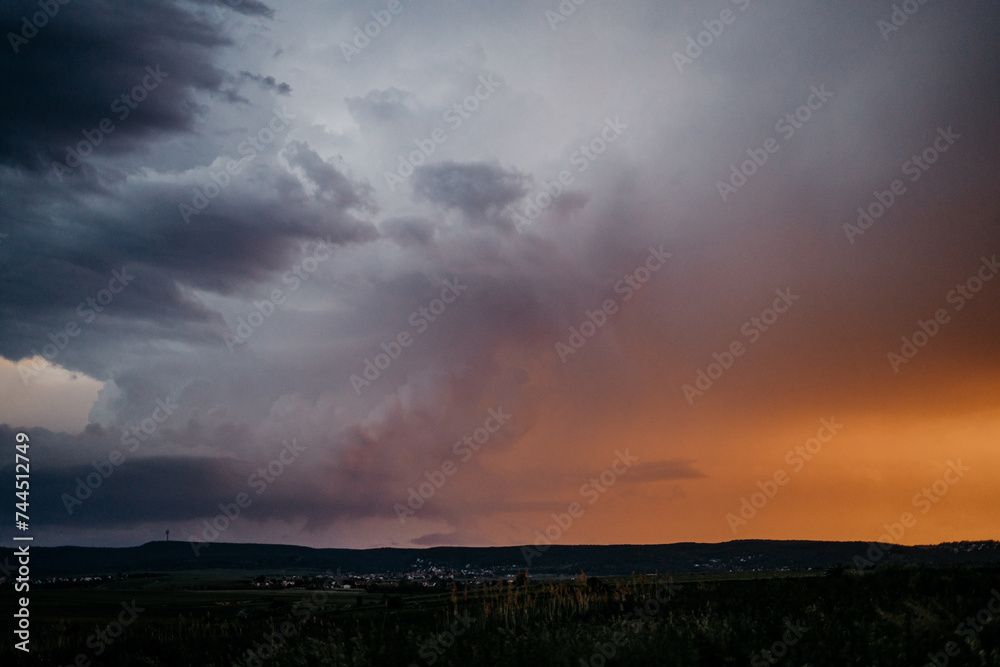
168	534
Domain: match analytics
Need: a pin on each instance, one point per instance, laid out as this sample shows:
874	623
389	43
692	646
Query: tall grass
894	616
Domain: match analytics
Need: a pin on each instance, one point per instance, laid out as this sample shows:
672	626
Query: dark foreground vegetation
896	615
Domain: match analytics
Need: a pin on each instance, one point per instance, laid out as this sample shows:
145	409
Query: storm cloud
208	207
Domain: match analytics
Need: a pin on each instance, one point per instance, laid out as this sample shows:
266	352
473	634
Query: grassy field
893	616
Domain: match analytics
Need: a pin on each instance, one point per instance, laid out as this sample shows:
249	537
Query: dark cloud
333	185
268	83
409	231
138	491
250	233
246	7
480	190
74	73
434	539
199	274
381	106
659	471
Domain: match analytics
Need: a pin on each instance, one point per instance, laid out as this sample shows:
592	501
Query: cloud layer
587	224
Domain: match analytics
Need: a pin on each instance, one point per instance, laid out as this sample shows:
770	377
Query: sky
365	274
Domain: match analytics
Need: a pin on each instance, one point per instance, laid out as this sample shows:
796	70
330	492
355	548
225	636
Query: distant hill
686	557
